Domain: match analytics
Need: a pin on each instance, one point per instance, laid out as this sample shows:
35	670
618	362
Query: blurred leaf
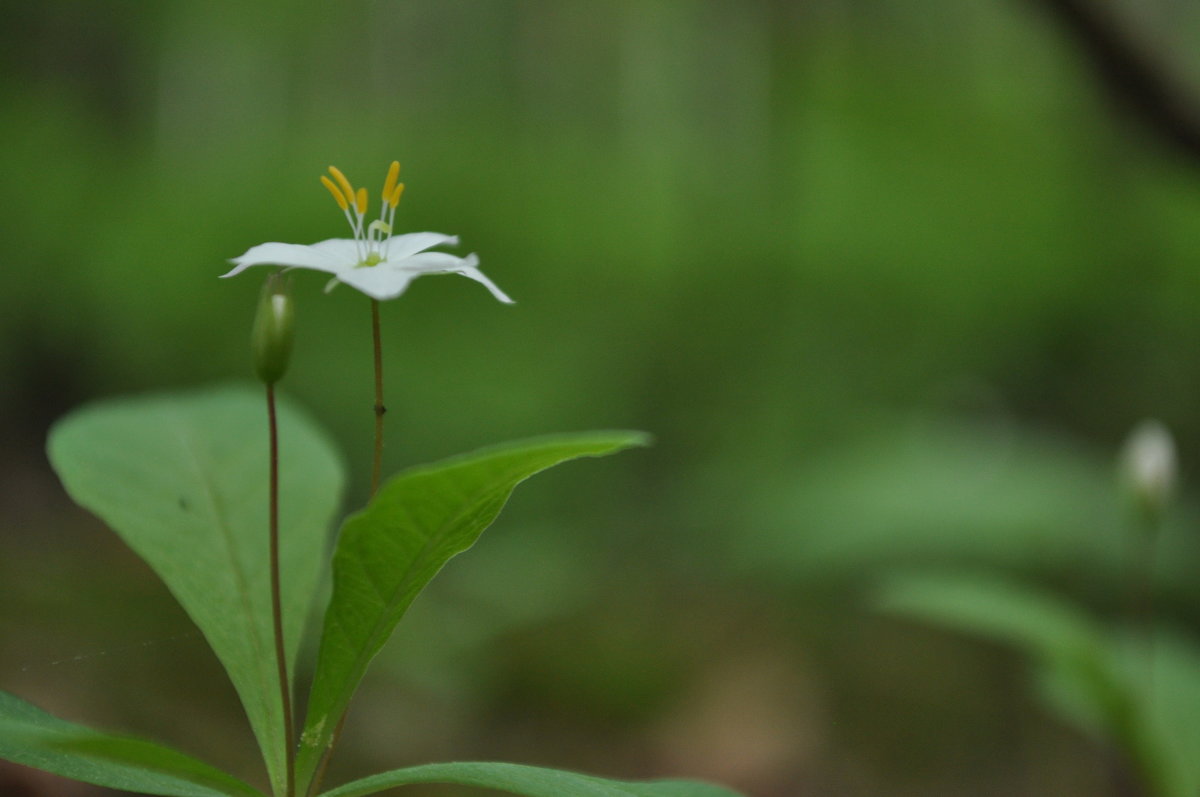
388	552
33	738
938	490
1096	681
183	479
1175	677
1162	731
530	781
930	491
1038	624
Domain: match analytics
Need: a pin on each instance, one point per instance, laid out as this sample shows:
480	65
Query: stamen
347	189
356	230
337	195
361	205
390	210
390	183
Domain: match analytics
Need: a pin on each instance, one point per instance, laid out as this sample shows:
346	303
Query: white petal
402	246
478	276
391	278
343	250
442	263
290	255
431	263
378	282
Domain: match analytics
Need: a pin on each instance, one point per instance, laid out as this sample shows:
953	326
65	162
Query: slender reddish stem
380	409
376	478
1144	609
277	602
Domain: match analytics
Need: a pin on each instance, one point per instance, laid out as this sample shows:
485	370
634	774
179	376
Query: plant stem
1144	602
376	477
377	460
276	600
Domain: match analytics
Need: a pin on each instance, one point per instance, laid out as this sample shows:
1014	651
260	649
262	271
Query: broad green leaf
530	781
1091	678
388	552
1035	623
1145	700
182	478
33	738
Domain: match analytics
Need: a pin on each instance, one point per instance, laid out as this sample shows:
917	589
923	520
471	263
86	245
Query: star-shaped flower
374	261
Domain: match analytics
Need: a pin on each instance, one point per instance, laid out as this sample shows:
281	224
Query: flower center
372	240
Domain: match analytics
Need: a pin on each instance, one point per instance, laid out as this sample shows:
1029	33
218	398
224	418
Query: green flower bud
1149	470
271	338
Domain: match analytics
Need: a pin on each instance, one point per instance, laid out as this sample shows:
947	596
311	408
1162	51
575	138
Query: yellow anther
394	199
337	195
361	204
390	183
347	189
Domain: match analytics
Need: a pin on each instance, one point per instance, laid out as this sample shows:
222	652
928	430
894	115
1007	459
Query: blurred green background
889	282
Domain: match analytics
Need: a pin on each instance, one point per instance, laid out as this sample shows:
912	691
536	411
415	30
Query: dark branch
1139	83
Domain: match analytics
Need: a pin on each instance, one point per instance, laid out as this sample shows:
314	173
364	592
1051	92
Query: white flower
374	261
1149	465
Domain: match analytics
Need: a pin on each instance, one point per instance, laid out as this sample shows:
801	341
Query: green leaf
182	478
1093	679
33	738
388	552
1037	624
530	781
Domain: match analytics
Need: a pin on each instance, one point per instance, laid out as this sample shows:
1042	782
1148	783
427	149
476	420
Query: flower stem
276	600
376	477
1143	608
380	409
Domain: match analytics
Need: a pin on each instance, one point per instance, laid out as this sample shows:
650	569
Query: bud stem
276	599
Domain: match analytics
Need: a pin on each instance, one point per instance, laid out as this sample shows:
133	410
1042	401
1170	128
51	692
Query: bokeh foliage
886	281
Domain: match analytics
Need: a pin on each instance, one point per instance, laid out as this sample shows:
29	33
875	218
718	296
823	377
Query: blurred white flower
374	261
1148	466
